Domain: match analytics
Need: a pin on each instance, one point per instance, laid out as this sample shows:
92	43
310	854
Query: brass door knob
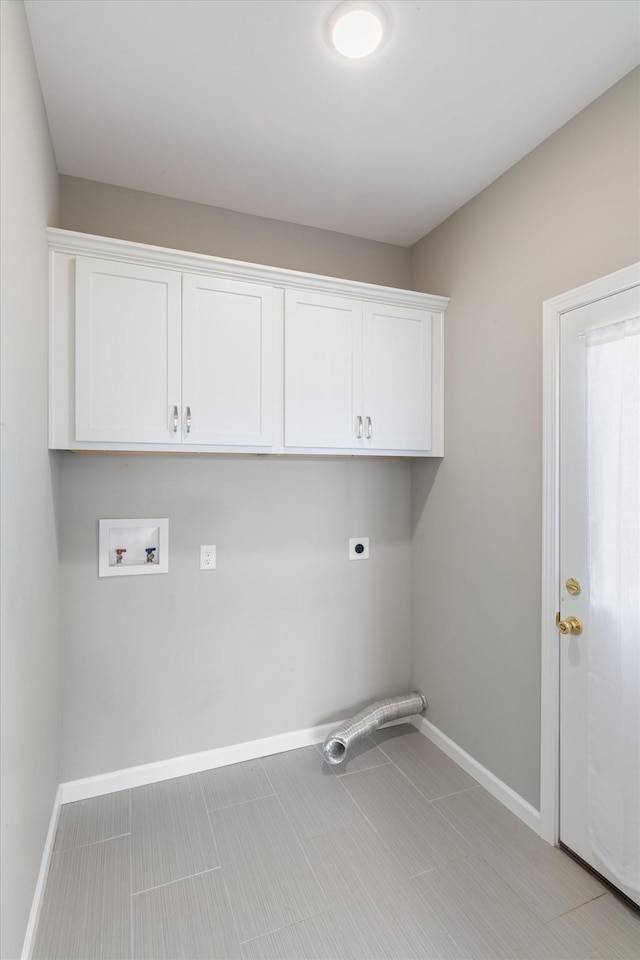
570	625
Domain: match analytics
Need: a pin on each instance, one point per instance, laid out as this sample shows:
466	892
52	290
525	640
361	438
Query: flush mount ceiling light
356	28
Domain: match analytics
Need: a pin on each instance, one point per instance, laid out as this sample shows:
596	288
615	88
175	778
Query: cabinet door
227	362
323	370
397	377
127	352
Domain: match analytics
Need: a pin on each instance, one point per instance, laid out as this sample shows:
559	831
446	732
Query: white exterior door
322	371
586	749
228	356
127	352
397	377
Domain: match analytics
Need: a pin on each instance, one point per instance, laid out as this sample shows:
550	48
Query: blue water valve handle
150	552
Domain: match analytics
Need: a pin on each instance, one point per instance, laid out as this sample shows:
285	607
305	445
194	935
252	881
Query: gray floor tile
88	821
484	820
485	918
86	913
360	756
187	920
392	923
603	929
358	929
418	836
171	835
352	859
312	796
318	938
452	878
236	783
546	878
428	768
269	881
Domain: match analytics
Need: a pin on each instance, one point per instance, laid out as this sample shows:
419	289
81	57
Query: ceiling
241	104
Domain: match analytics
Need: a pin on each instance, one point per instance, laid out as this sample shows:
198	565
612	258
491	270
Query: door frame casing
552	311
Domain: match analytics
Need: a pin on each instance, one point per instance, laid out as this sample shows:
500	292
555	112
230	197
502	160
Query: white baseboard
253	749
191	763
38	896
511	800
194	763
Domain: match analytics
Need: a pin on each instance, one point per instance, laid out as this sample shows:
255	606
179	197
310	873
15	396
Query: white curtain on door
613	685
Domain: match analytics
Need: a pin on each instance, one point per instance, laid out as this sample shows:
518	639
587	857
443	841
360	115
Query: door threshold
612	887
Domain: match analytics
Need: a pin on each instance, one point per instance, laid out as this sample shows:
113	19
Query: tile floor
397	853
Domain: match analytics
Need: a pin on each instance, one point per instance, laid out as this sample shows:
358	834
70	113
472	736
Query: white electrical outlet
208	558
358	548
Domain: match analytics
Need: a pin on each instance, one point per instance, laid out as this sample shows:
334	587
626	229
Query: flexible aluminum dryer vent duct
334	749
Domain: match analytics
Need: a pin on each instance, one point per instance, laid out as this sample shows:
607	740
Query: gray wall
566	214
29	634
286	633
91	207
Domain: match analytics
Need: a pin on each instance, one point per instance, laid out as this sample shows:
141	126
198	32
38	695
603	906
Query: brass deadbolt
573	586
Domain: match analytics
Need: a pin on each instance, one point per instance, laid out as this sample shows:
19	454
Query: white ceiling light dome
357	28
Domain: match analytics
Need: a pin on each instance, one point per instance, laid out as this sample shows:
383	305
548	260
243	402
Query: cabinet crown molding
86	244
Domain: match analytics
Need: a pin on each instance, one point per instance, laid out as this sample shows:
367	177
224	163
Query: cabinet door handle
176	419
369	428
188	419
359	428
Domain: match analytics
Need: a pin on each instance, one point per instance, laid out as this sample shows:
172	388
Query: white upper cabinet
227	362
127	351
164	357
358	375
154	349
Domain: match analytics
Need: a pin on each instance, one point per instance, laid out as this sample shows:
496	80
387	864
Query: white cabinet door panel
323	370
227	362
397	377
127	352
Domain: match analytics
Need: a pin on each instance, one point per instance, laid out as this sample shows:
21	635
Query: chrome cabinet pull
176	419
188	419
369	428
359	428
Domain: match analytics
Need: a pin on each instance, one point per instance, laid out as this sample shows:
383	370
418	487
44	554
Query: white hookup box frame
125	546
